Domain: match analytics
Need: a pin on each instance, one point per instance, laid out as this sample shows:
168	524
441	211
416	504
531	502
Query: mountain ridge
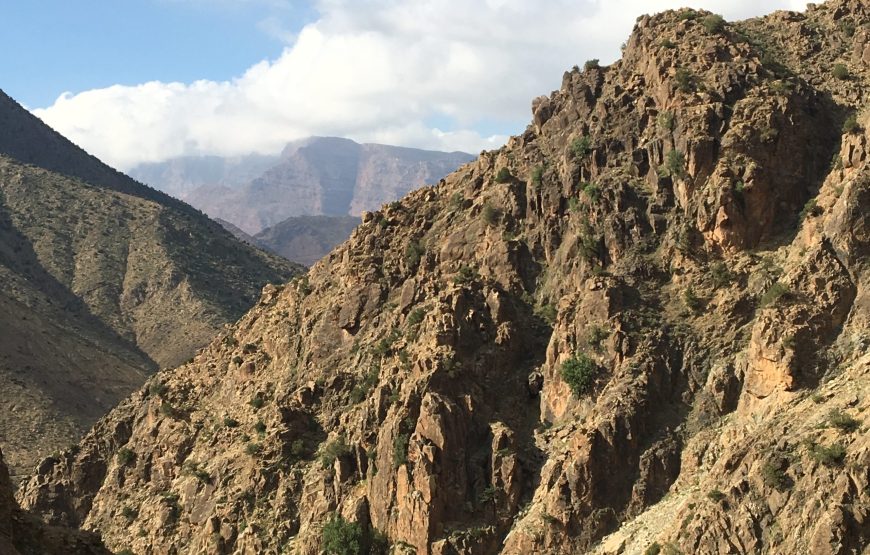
313	176
105	282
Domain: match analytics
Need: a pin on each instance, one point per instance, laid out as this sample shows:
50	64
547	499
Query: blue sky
135	81
48	47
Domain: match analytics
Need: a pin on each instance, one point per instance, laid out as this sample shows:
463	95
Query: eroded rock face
22	533
415	381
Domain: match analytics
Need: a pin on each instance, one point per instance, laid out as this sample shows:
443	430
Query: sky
136	81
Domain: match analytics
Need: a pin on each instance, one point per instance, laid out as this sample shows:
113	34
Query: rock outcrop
21	533
640	326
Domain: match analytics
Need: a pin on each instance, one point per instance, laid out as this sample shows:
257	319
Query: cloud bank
442	74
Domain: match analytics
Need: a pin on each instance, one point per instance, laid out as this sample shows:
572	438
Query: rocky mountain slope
315	176
639	327
24	534
104	282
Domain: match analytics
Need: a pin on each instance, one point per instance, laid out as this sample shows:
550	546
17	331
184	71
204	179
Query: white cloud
373	70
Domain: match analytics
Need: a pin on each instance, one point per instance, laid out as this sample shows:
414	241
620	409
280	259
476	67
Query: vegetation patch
579	372
831	455
841	72
124	456
503	176
342	537
490	214
414	253
581	147
774	294
713	23
843	422
334	450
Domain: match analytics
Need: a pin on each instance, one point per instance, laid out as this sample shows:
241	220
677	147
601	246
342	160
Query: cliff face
315	176
641	323
22	534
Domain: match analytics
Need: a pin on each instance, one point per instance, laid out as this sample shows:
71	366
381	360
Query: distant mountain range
316	176
104	281
302	239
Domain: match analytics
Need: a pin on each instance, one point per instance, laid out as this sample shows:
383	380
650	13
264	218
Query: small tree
341	537
503	176
579	373
591	64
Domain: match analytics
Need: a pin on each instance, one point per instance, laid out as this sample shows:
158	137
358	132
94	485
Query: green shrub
850	126
810	209
666	120
537	175
456	201
166	409
674	165
592	191
547	313
253	448
595	335
257	401
713	23
668	43
334	450
490	214
832	455
686	81
720	274
193	469
581	147
400	449
129	513
773	474
591	64
362	389
653	549
124	456
465	275
687	14
230	422
843	421
157	389
715	495
579	373
415	317
341	537
260	428
773	294
841	72
693	302
413	253
503	176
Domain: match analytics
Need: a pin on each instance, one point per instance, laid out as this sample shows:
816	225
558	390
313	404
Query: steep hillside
315	176
104	282
26	138
306	239
641	326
